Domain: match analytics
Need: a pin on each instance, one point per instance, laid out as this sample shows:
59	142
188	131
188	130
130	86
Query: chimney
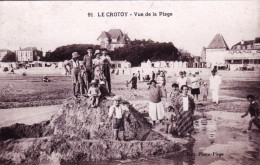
242	42
20	48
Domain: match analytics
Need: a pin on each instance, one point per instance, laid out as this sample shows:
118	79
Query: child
94	94
253	110
83	81
126	84
134	82
117	112
204	91
174	93
45	79
170	118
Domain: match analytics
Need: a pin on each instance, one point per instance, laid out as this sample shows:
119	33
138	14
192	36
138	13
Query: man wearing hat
87	64
195	87
75	72
214	82
117	113
106	64
94	94
181	80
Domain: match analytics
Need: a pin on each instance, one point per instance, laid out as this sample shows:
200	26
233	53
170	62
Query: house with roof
244	54
112	39
216	51
28	54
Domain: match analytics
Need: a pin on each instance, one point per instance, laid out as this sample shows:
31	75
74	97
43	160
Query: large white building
28	54
242	54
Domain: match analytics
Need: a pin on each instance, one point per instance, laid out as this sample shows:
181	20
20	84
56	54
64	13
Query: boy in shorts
253	110
117	113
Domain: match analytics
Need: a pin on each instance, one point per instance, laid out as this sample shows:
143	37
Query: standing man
106	64
181	80
153	75
215	82
87	64
75	72
195	87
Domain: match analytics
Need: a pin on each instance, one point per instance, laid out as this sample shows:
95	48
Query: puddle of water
212	145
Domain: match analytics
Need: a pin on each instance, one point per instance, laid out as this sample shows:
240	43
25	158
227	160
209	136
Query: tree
138	51
9	57
64	52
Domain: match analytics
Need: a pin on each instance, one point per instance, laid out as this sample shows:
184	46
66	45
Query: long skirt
156	111
185	122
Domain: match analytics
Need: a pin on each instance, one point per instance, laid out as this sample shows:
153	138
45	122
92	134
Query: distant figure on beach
214	82
184	106
106	65
87	64
117	113
126	84
181	80
204	91
153	75
75	72
134	81
254	112
195	87
94	94
156	109
45	79
138	75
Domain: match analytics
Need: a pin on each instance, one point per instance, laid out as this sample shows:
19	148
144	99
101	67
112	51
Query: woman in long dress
156	109
184	106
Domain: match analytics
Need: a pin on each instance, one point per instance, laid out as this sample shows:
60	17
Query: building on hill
215	52
28	54
244	55
112	39
3	53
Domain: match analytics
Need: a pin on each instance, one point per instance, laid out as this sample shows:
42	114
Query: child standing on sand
204	91
117	113
170	119
94	94
253	110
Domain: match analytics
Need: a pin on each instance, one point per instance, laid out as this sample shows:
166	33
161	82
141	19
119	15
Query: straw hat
75	55
97	52
93	82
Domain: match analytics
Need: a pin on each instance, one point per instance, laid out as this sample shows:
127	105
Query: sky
48	25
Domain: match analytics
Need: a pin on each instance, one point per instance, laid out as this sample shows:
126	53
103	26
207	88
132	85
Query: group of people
179	110
92	77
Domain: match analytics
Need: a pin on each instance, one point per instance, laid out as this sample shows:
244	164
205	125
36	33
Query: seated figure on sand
94	94
117	113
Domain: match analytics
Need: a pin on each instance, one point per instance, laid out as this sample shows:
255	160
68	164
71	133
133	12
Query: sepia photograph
130	82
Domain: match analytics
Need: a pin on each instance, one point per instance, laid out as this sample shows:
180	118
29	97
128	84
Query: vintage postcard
130	82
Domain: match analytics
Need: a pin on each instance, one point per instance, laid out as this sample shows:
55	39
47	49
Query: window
246	62
237	62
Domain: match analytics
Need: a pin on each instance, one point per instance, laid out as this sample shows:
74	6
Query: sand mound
78	133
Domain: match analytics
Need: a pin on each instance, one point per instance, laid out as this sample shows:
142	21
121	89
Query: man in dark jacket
87	64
